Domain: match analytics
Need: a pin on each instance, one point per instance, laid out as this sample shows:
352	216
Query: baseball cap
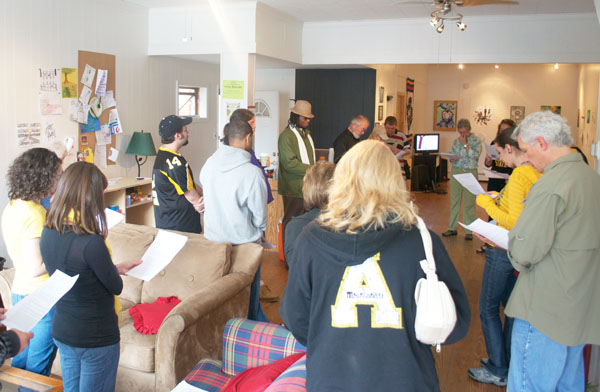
171	125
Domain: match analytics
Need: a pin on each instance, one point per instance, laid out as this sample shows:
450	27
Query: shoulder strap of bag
427	265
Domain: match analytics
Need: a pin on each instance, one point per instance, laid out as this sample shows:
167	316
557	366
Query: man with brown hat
296	155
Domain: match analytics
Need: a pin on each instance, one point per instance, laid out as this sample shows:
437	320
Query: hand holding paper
470	183
497	235
161	252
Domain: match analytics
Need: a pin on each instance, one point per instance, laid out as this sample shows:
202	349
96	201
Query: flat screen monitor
427	142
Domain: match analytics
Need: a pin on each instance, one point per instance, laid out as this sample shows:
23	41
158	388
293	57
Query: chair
248	344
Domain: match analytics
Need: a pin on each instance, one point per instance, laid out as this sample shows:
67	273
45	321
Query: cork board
98	61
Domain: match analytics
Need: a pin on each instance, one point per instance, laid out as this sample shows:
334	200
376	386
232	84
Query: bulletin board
87	140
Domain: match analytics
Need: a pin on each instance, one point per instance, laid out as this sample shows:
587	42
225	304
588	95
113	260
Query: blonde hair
367	192
316	185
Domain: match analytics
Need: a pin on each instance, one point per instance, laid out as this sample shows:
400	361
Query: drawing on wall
553	109
517	113
380	113
381	93
444	115
410	101
589	114
69	82
482	115
29	134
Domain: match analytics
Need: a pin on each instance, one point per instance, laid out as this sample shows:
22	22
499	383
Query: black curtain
336	96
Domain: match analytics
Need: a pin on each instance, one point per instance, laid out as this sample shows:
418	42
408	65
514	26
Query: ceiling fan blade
470	3
412	2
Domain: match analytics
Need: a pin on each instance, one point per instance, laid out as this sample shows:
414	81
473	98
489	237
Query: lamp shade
141	144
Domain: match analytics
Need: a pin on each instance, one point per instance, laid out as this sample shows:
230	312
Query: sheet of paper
448	155
100	156
88	75
113	154
27	312
495	174
470	183
113	218
402	153
86	93
101	82
160	253
49	79
491	151
49	131
29	134
103	135
494	233
266	244
50	103
108	100
92	124
183	386
114	122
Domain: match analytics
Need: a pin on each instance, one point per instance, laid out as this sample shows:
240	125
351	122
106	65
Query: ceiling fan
444	7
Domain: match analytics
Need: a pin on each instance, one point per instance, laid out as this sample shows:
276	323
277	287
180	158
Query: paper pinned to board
30	310
101	80
108	99
88	75
494	233
113	154
160	253
86	93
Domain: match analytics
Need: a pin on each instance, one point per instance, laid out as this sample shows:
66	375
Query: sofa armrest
6	278
194	329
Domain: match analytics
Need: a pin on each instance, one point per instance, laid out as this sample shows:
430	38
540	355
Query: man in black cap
177	199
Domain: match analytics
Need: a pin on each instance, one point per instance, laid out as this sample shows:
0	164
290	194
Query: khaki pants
457	192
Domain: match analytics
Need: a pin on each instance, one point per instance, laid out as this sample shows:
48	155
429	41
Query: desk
12	378
139	212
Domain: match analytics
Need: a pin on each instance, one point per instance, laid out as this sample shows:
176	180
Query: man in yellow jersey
177	199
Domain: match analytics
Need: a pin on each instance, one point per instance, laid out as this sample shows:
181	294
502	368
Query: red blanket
148	317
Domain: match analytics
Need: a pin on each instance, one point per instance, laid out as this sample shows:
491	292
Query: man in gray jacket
556	247
235	198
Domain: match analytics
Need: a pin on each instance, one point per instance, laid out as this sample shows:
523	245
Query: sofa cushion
207	376
137	350
198	264
130	242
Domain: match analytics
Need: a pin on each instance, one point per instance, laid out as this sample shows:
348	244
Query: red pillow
147	318
259	378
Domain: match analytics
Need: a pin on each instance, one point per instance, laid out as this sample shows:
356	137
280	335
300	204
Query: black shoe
449	233
468	237
481	249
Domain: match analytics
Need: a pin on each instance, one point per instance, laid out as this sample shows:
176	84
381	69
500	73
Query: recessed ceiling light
460	66
496	66
556	66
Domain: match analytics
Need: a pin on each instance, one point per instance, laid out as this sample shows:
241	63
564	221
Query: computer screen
427	142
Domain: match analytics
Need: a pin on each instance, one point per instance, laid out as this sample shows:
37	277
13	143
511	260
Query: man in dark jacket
350	136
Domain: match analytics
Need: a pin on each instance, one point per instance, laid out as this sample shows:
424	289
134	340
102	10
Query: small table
12	378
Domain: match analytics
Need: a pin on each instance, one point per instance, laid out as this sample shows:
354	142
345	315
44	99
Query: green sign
233	89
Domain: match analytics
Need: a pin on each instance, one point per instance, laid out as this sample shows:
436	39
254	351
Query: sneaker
449	233
484	361
468	237
267	295
483	375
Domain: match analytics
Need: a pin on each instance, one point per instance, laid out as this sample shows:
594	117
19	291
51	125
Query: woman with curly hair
32	177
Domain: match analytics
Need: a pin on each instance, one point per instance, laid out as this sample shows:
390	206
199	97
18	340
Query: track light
440	28
434	21
461	25
439	16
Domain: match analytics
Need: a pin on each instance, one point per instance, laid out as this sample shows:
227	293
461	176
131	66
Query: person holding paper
177	199
398	142
350	296
85	326
296	155
556	248
236	198
12	342
32	177
468	148
498	278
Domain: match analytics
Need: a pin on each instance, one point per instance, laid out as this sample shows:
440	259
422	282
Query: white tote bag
436	312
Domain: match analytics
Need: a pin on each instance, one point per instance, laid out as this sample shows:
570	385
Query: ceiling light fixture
556	66
496	66
437	20
460	66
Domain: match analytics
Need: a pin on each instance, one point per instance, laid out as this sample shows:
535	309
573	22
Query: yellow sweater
507	207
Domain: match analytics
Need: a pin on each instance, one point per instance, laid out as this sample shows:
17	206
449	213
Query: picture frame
444	115
381	94
517	113
380	113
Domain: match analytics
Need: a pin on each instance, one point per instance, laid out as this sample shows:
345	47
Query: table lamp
141	144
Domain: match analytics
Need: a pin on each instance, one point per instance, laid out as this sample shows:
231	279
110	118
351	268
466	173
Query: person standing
177	199
350	136
556	248
296	155
32	177
466	148
236	198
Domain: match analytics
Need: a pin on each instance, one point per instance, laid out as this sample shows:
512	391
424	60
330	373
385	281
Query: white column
236	84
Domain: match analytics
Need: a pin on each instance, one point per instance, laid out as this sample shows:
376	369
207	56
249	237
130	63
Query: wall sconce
141	144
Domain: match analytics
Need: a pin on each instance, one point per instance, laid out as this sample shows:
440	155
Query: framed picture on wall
444	115
380	113
381	93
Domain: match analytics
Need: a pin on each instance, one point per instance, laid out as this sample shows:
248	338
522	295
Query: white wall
587	99
282	80
41	34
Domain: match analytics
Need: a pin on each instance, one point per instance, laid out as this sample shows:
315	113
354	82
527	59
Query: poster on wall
444	115
380	113
29	134
553	109
517	113
50	103
49	79
233	89
410	101
68	82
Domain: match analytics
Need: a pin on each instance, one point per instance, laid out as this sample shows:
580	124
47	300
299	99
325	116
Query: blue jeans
538	363
39	355
255	311
89	369
497	283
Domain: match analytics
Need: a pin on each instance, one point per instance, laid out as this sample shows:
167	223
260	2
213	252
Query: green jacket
556	247
291	168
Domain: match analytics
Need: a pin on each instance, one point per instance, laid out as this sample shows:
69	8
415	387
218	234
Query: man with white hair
556	247
350	136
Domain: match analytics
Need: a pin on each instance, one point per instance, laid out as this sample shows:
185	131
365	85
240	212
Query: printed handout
101	82
113	154
491	151
470	183
27	312
86	93
29	134
100	156
114	122
184	386
496	234
108	100
113	218
103	135
88	75
495	174
448	155
50	79
160	253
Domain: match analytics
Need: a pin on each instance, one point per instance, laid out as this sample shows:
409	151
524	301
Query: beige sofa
211	279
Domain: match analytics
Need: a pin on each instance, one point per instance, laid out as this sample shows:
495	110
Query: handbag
436	312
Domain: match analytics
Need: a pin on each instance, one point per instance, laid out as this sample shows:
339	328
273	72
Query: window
191	101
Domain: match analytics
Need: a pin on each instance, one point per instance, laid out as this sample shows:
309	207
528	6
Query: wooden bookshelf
140	212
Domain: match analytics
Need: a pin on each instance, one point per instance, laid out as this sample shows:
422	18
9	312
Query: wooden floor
453	362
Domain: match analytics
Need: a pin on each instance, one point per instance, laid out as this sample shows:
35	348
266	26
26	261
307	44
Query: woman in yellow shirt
498	279
31	177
